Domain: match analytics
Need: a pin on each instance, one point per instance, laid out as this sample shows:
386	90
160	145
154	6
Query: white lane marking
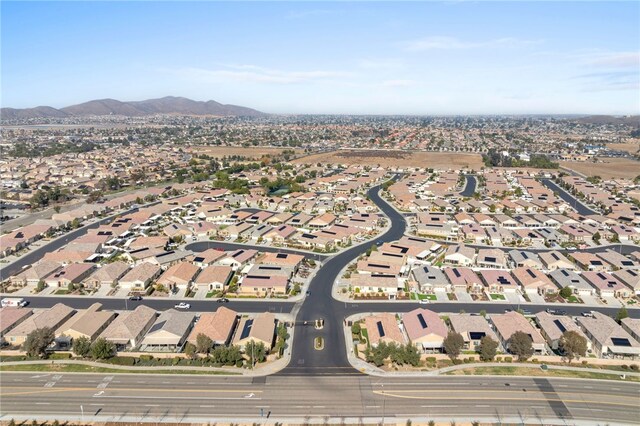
151	405
437	406
483	406
43	403
318	406
371	406
175	397
615	388
262	406
49	384
207	406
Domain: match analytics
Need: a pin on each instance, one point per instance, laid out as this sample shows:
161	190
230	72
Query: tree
102	349
190	350
38	341
256	351
203	343
622	314
596	237
521	345
566	292
573	345
488	348
453	344
82	346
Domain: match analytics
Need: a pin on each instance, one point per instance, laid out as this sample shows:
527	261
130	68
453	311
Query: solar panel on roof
560	326
282	255
555	256
246	329
423	323
456	272
531	274
490	259
476	335
198	259
270	268
620	341
380	328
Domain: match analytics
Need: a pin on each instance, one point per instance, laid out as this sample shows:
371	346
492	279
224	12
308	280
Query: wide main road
293	399
320	304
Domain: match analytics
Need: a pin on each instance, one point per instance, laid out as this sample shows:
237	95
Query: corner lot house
552	327
218	326
380	284
36	273
425	329
472	328
169	332
127	330
53	318
383	328
608	339
506	325
260	328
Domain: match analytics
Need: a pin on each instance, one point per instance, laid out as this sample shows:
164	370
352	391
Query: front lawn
421	296
495	296
573	299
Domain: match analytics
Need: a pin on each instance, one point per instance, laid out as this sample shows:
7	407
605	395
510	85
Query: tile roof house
552	327
10	318
472	328
218	326
140	276
214	277
430	279
499	281
52	318
606	285
374	283
88	323
425	329
630	278
491	258
260	328
464	279
180	275
608	338
533	281
239	257
568	278
459	255
383	327
169	332
509	323
72	273
128	329
37	272
107	275
553	260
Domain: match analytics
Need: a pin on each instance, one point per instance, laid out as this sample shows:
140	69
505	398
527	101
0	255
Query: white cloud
257	74
452	43
398	83
616	59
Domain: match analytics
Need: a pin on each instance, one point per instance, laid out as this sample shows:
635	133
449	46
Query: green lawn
421	296
573	299
61	291
495	296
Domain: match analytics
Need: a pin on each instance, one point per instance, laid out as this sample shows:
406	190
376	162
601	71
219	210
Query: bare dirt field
441	160
607	169
632	146
252	152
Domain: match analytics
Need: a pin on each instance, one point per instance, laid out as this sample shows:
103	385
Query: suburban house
11	317
464	279
258	329
533	281
630	278
36	273
522	258
491	258
218	326
568	278
552	327
52	318
169	332
88	323
128	329
459	255
609	339
374	283
206	258
214	277
263	285
107	275
425	329
498	281
239	257
140	276
553	260
606	285
383	327
180	275
472	328
430	279
73	273
507	324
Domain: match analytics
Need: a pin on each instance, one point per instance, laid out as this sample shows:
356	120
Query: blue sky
453	57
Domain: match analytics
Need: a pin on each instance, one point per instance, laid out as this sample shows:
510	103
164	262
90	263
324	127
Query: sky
453	57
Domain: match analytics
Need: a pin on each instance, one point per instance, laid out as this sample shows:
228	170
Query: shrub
585	362
60	356
123	360
634	367
146	357
507	359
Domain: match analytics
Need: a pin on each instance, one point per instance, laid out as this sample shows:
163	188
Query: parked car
588	314
182	305
223	300
136	298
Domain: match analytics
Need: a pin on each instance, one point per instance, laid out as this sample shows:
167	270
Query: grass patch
420	296
537	372
365	335
573	299
81	368
61	291
495	296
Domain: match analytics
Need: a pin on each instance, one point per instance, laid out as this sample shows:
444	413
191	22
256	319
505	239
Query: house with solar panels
568	278
259	328
472	328
552	327
425	329
608	339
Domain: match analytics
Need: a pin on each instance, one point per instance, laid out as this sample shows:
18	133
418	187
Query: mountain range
167	105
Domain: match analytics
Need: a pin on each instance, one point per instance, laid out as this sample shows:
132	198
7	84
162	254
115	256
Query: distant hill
166	105
629	120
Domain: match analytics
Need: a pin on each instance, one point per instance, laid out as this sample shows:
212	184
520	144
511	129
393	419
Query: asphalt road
573	201
470	186
134	398
320	304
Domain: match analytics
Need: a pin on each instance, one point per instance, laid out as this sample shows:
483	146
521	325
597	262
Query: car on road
182	305
136	298
223	300
423	301
587	314
308	293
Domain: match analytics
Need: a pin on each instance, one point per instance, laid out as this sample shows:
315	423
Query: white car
182	305
424	301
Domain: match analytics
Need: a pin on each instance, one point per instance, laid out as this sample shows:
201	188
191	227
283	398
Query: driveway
536	298
201	294
612	302
463	296
514	297
441	295
103	291
591	300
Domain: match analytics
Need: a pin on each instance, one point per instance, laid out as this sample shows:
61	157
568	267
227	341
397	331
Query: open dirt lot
607	169
252	152
632	146
441	160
